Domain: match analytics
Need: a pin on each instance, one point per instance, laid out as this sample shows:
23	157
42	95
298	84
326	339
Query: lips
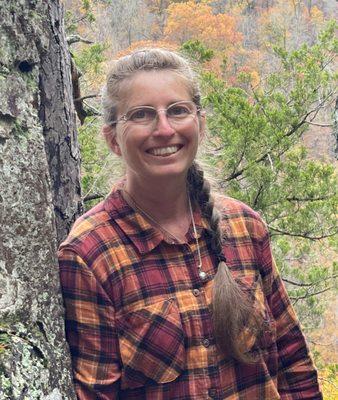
164	151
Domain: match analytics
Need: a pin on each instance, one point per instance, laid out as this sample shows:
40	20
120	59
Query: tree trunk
39	198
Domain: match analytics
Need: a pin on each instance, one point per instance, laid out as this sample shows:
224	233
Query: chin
168	172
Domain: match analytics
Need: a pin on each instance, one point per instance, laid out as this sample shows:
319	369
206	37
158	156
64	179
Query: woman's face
159	149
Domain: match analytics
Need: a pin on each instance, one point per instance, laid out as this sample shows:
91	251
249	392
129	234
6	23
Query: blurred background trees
268	72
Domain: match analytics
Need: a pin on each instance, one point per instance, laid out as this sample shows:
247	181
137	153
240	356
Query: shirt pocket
151	344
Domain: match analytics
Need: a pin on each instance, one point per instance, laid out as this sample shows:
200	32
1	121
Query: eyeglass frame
123	117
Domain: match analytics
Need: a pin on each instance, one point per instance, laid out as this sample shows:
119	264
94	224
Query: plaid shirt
138	316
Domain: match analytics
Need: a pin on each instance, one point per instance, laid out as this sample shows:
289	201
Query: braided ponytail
233	313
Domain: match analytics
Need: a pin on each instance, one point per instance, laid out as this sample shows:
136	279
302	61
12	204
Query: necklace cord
195	235
201	273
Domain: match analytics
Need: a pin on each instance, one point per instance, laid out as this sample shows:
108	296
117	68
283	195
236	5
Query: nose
163	127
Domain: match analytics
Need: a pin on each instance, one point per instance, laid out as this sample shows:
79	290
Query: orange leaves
191	20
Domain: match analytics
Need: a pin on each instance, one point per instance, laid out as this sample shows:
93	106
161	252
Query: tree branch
71	39
93	197
260	190
302	235
294	129
322	125
92	111
266	154
89	96
304	199
320	344
309	284
310	294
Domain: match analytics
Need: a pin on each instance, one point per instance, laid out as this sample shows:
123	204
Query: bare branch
318	124
304	199
309	284
92	111
89	96
77	20
302	235
311	294
71	39
240	159
320	344
260	190
93	197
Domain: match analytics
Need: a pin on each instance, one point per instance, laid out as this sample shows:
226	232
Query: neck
169	208
166	200
165	203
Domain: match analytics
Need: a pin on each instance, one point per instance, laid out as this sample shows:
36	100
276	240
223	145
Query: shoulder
94	228
238	219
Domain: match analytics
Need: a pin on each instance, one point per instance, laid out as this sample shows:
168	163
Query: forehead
154	88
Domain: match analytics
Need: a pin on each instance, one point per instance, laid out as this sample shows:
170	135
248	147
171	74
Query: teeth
164	151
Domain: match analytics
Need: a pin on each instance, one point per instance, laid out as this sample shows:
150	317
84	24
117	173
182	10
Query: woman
168	294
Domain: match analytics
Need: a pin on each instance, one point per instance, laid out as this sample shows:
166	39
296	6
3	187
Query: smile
164	151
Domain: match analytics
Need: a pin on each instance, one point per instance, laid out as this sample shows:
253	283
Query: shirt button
213	393
196	292
206	342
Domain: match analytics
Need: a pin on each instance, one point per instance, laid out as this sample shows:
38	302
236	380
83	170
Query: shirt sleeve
90	330
297	376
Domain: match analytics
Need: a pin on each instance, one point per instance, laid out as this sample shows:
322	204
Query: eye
179	111
140	115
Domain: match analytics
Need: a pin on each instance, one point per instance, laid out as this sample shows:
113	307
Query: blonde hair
144	60
232	311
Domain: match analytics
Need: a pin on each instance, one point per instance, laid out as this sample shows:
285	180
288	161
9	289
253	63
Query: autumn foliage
192	20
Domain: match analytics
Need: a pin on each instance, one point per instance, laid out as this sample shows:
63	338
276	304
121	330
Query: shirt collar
142	234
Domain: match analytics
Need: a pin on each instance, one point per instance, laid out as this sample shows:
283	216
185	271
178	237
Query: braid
233	314
200	191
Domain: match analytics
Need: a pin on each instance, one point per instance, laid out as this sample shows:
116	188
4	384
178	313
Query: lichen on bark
39	174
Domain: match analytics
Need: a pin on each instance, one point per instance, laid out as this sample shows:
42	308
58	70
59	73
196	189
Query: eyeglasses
176	113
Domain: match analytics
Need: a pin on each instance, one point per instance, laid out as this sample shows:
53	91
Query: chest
135	280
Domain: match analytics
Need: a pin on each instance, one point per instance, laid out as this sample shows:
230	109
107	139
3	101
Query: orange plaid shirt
138	316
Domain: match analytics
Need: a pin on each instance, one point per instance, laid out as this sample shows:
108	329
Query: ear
115	146
203	126
109	133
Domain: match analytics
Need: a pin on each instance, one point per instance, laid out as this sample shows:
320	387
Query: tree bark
39	198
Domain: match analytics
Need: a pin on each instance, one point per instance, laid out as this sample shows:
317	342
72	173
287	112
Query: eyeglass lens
175	113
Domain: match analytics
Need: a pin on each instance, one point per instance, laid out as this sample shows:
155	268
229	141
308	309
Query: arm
297	377
90	330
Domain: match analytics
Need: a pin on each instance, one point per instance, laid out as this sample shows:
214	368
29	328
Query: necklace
201	273
133	203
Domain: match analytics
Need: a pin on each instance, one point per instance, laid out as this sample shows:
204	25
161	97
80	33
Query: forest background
267	69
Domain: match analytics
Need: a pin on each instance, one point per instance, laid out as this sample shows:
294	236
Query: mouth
164	151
